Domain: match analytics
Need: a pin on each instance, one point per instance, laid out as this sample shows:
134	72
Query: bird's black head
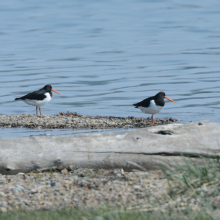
161	95
48	87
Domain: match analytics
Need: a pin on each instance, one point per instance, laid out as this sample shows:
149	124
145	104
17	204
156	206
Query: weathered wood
148	148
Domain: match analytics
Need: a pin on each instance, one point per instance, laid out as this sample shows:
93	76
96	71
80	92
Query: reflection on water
103	58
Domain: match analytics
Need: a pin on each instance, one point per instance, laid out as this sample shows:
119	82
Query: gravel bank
76	121
72	187
76	187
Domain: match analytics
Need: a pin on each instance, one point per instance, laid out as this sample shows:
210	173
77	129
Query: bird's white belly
152	109
38	103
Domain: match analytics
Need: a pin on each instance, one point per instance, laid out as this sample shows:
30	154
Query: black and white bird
38	98
152	105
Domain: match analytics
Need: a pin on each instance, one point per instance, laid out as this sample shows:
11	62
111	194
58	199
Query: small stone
3	209
54	184
64	171
142	174
34	191
67	186
118	182
83	183
4	203
160	185
140	180
2	194
137	188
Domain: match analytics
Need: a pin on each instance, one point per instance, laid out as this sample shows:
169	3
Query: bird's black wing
145	103
37	95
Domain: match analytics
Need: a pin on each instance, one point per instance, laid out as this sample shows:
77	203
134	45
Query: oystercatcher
38	98
152	105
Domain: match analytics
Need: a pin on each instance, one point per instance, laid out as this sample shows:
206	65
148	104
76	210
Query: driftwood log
148	148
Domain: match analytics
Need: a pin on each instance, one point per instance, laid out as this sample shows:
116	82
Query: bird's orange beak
169	99
55	91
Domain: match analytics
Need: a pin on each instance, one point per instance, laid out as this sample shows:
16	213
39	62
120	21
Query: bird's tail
17	99
136	105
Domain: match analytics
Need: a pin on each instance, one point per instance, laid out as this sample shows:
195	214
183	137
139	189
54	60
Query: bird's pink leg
152	120
40	111
36	111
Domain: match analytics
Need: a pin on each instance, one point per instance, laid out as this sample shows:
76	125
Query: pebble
3	209
64	171
137	188
53	184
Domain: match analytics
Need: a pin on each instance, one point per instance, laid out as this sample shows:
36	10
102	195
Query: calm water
103	56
